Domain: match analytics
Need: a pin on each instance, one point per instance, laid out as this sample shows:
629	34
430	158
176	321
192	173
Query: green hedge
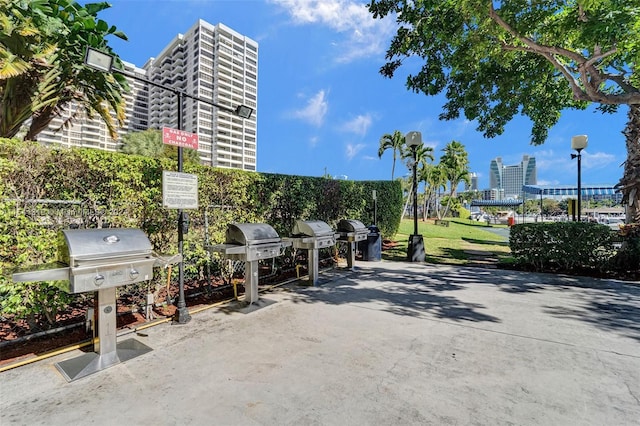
120	190
562	246
126	191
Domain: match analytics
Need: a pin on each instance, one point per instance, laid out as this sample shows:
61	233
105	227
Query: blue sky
323	105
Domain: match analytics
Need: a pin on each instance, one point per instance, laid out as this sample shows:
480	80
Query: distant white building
211	62
473	182
510	179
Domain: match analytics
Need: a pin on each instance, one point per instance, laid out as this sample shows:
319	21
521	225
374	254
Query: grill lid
100	244
251	234
351	225
311	228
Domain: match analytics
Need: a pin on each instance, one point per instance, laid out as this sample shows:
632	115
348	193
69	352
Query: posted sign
179	190
179	138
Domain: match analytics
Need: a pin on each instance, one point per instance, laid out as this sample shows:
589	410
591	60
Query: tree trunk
39	122
425	206
406	204
630	182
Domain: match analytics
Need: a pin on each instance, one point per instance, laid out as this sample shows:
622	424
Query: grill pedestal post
106	342
251	282
351	255
312	265
107	351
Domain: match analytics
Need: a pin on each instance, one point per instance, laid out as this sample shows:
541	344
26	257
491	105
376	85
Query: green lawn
450	244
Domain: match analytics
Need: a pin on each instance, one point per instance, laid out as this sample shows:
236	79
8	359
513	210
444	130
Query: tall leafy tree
455	167
148	143
393	141
42	49
496	59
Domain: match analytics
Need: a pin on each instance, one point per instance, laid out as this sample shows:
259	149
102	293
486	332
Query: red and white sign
179	138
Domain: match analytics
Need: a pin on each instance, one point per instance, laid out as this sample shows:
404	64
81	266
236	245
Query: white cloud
550	160
548	182
353	150
598	160
316	109
363	36
359	125
313	141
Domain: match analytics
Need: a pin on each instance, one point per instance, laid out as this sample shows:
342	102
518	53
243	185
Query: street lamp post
104	62
579	142
415	250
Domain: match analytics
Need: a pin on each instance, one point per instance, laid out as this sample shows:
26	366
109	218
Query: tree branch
577	91
538	48
590	77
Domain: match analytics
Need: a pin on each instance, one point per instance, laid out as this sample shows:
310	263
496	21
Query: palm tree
423	155
42	48
434	179
455	163
395	142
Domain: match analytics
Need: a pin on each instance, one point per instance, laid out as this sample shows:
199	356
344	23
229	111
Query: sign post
180	191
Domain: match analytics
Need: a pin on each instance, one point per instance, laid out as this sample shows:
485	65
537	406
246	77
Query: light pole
415	251
579	142
104	62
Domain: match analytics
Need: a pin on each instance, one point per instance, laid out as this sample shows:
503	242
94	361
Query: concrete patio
392	343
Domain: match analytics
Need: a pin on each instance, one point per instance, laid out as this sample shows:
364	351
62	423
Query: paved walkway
394	343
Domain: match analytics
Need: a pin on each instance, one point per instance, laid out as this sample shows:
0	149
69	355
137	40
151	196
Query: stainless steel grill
94	259
351	231
312	235
100	260
251	242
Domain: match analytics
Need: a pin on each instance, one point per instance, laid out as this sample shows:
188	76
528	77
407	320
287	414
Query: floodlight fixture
98	60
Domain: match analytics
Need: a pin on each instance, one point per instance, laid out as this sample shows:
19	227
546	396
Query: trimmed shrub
562	246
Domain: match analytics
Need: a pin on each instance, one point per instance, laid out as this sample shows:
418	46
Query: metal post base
84	365
182	316
415	251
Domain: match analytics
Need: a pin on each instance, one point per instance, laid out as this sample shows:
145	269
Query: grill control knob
133	274
98	280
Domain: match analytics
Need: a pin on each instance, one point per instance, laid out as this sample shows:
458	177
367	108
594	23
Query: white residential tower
211	62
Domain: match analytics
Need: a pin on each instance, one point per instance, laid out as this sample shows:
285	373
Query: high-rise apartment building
74	128
210	62
510	179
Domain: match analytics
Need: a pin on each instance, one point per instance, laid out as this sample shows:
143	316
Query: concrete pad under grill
390	343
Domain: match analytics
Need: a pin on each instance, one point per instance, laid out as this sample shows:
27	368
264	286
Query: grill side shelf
48	272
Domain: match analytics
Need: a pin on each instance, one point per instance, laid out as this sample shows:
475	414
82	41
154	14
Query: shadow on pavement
415	294
606	304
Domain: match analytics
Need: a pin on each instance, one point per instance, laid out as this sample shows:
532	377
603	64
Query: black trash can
371	248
